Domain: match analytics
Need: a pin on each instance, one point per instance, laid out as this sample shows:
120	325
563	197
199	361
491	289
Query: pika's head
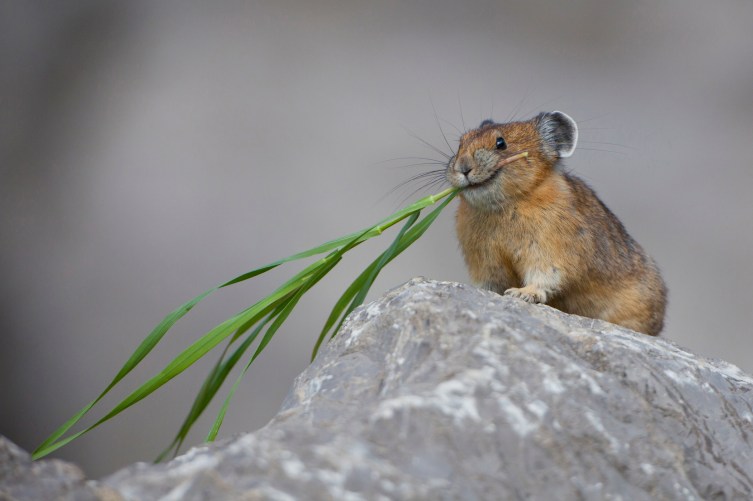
497	162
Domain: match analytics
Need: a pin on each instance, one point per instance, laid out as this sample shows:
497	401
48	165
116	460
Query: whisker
594	118
617	152
517	107
422	188
462	119
430	178
434	174
428	144
420	164
531	111
460	132
427	159
610	144
598	149
436	119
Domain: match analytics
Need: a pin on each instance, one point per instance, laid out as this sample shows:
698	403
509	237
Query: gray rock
22	479
443	391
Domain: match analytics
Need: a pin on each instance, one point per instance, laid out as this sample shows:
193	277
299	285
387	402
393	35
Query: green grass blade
171	319
138	355
247	342
268	336
368	275
279	320
420	228
202	346
363	235
339	307
184	360
363	284
215	379
248	317
385	258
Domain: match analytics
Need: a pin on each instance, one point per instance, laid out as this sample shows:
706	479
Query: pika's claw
528	293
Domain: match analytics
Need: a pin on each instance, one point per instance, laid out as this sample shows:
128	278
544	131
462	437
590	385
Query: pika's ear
559	131
486	122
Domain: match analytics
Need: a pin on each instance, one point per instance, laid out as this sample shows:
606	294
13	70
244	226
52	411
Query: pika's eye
501	144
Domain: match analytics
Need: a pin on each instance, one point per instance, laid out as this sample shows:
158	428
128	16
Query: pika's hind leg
640	308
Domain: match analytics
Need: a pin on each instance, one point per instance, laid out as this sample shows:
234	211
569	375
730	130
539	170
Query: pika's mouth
498	169
481	184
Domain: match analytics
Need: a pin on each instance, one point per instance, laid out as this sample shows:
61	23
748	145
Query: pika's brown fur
529	230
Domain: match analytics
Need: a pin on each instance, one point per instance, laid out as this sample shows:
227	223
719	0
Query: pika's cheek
485	159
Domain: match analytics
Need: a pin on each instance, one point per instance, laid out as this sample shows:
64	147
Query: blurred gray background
151	150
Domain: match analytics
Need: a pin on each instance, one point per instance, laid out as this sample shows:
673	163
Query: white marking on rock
315	384
552	383
178	492
593	385
491	360
516	417
538	408
681	379
353	336
374	309
294	468
387	485
598	426
454	398
193	462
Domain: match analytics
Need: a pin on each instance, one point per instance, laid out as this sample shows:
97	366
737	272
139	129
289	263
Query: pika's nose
464	166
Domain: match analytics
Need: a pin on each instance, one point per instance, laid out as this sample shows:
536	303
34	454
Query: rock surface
20	478
442	391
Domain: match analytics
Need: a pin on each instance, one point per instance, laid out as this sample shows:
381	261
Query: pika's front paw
528	293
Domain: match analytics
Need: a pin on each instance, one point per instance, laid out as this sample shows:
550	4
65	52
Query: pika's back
529	230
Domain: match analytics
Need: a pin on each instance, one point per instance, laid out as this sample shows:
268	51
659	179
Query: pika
528	229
